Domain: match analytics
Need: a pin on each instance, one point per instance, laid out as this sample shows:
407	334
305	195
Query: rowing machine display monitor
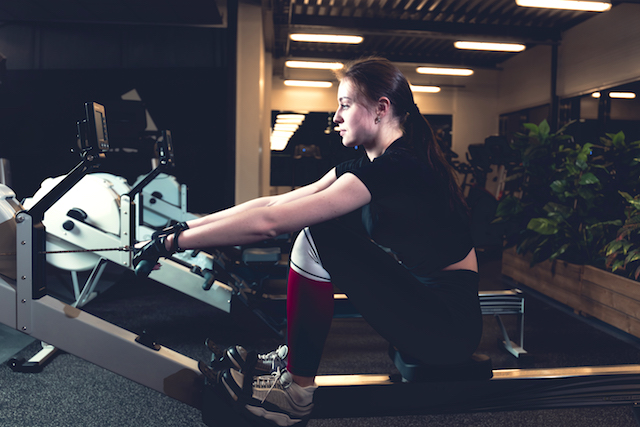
92	130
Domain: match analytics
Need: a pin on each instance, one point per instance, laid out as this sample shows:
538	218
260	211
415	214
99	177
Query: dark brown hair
375	78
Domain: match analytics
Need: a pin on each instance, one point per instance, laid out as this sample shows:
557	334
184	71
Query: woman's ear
383	107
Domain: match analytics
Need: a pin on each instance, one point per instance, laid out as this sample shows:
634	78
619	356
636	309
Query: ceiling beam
417	28
410	58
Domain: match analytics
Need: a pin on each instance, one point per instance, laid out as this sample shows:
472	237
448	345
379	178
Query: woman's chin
349	144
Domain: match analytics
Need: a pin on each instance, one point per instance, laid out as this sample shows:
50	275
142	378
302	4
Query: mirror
605	111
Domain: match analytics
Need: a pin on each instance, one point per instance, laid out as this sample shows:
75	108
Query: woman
389	229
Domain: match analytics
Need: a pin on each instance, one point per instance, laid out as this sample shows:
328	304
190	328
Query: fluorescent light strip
622	95
307	83
315	65
586	6
617	95
286	127
326	38
282	133
299	117
500	47
445	71
295	122
425	89
278	144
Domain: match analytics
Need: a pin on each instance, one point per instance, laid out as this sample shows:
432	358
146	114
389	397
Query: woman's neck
382	142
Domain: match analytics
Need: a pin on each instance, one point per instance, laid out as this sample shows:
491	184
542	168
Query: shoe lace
273	379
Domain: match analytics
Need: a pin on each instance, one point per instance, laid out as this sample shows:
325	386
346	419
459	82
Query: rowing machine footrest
478	367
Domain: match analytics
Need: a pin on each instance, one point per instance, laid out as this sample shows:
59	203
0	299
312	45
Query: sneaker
269	362
274	397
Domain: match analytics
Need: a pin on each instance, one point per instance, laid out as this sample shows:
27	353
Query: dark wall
39	110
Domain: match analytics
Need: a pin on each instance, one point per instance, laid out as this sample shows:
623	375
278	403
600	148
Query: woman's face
356	122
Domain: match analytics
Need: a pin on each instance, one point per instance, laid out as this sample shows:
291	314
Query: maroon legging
309	315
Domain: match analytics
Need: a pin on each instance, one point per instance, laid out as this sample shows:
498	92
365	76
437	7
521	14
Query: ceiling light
325	38
292	127
622	95
282	133
307	83
587	6
425	89
618	95
278	144
501	47
445	71
299	117
284	128
315	65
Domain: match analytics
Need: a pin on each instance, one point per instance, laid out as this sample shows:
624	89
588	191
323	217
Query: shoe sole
279	419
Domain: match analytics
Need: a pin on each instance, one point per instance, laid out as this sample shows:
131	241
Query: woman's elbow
270	228
269	232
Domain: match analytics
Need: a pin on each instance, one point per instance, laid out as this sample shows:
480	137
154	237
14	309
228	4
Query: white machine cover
93	195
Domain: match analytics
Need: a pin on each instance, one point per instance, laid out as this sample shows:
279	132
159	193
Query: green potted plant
562	200
566	230
623	253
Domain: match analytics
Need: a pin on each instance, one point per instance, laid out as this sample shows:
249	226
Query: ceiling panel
415	31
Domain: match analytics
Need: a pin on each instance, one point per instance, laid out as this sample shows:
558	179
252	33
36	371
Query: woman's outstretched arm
312	188
253	224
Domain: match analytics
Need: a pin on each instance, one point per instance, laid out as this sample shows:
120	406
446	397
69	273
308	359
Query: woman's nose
336	118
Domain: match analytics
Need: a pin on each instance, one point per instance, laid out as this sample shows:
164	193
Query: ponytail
421	137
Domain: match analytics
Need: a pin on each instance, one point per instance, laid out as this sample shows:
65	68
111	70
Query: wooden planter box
588	290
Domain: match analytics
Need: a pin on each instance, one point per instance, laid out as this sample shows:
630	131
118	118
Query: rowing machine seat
478	367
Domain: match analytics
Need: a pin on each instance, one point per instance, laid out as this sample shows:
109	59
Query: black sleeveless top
409	214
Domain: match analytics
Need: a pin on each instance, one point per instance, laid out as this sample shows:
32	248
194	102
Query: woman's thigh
438	324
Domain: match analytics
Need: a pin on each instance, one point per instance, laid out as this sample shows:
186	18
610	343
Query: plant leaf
619	264
543	129
509	205
633	256
556	209
558	186
618	139
560	251
532	128
589	179
543	226
613	247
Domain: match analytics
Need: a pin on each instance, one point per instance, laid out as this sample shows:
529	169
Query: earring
377	120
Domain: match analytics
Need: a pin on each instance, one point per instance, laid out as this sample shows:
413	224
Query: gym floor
73	392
